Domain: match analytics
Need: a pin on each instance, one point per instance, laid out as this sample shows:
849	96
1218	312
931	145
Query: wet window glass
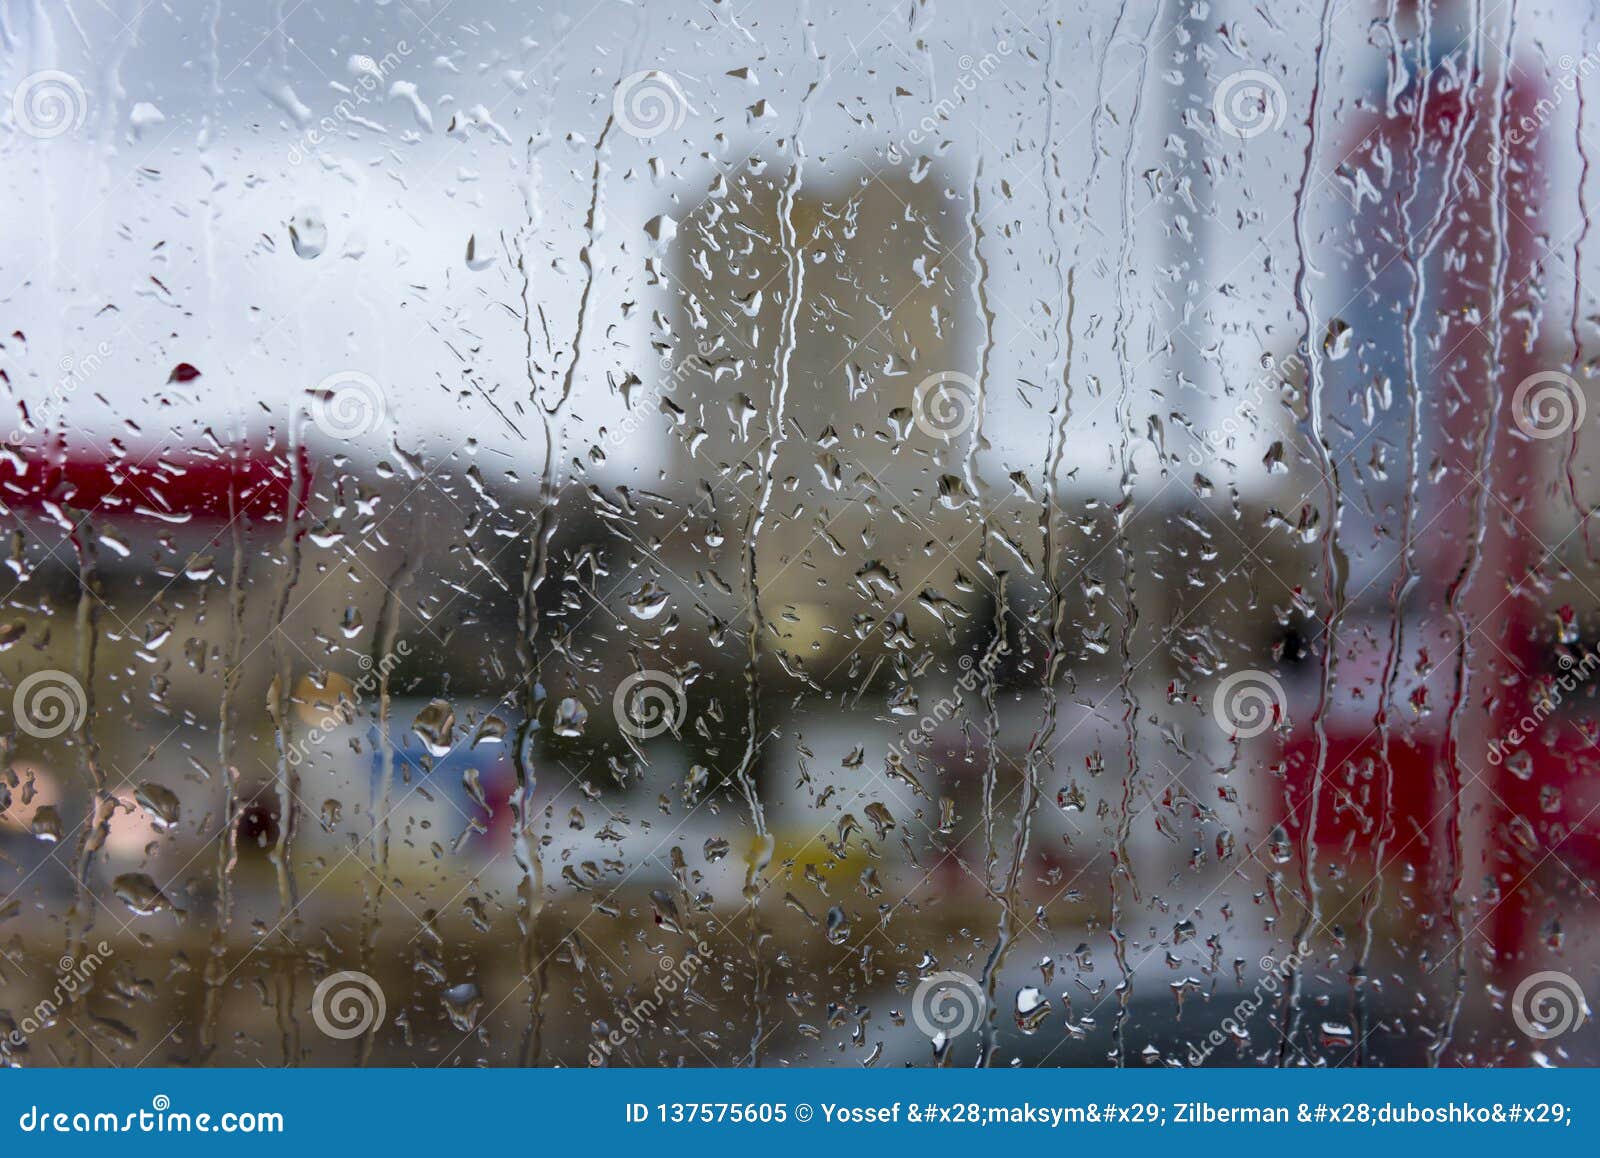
733	534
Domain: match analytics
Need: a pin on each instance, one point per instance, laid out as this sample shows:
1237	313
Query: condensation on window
745	534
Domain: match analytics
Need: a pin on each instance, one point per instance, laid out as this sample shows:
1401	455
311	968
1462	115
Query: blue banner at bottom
786	1111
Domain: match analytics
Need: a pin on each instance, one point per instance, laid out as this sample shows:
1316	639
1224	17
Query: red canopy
176	485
